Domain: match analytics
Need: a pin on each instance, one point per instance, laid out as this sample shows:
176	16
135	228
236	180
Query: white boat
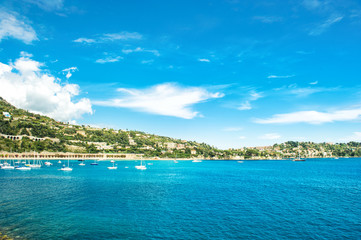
47	163
112	161
23	168
240	161
36	163
114	167
82	163
95	162
298	159
59	161
7	166
141	166
64	168
197	160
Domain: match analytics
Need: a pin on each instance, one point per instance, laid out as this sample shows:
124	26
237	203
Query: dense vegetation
40	133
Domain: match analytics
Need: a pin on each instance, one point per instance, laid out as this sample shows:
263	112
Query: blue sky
228	73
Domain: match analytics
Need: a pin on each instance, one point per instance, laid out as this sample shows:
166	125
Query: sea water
315	199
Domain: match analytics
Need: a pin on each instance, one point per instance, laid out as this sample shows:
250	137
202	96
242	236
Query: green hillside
23	131
40	133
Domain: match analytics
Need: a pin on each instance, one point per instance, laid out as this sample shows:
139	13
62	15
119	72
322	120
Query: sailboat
299	159
36	162
114	167
95	162
82	163
141	166
64	168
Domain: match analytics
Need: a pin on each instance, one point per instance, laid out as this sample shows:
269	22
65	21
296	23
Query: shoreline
156	159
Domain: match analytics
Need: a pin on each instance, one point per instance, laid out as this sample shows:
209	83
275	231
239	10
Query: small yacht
64	168
114	167
141	166
59	161
197	160
82	163
7	166
240	161
47	163
23	168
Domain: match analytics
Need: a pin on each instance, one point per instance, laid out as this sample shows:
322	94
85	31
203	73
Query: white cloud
84	40
356	136
12	27
324	26
311	4
268	19
232	129
26	86
111	37
293	89
109	59
147	61
313	117
255	95
139	49
314	83
270	136
245	106
48	5
204	60
285	76
164	99
242	137
122	36
69	71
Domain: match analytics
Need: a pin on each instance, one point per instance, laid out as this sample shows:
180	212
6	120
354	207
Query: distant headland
27	135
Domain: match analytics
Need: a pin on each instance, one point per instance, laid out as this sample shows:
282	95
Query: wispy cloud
26	86
268	19
122	36
48	5
109	59
147	61
166	99
204	60
313	117
252	96
242	137
232	129
318	30
69	71
293	89
84	40
314	83
270	136
139	49
311	4
280	76
110	37
12	27
245	106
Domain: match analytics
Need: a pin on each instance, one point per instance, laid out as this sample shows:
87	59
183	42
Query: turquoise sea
316	199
